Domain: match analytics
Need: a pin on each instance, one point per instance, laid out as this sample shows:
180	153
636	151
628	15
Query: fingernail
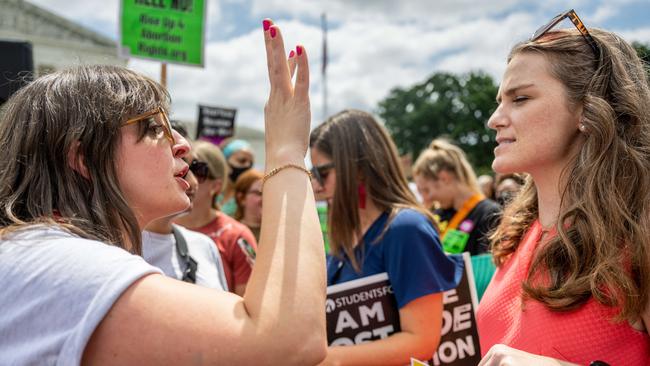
291	54
266	24
273	32
299	50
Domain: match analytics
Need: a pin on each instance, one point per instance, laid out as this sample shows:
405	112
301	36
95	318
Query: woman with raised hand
376	226
77	187
571	285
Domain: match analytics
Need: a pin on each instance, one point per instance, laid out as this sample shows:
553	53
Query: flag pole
324	65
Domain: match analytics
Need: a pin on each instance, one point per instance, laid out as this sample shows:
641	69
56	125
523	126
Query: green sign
163	30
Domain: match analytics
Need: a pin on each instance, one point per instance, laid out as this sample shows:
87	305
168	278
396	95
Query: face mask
236	172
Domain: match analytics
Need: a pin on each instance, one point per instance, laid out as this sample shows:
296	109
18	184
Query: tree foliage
643	50
444	105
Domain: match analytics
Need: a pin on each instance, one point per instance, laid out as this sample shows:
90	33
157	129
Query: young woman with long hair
89	160
572	248
376	226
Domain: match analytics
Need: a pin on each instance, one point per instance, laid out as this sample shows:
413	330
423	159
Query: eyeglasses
200	170
320	172
160	117
571	14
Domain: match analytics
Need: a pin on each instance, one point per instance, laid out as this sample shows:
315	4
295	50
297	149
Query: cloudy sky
374	45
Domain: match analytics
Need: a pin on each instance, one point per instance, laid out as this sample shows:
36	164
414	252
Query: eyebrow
513	90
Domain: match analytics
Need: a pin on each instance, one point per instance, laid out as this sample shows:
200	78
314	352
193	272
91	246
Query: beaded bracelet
278	169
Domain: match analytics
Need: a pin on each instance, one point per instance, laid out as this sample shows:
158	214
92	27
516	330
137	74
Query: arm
421	321
280	319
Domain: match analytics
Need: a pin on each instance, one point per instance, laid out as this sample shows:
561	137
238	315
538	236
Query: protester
240	158
236	243
90	159
376	226
486	183
571	285
465	216
248	193
507	186
180	253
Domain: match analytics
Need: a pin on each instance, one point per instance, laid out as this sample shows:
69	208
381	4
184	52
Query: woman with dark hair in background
376	226
90	159
240	159
248	194
573	266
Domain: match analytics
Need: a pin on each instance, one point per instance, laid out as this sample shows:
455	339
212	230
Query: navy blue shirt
409	252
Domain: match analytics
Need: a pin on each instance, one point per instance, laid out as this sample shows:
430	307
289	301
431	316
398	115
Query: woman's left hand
502	355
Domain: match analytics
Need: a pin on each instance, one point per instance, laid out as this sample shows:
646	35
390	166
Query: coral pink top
579	336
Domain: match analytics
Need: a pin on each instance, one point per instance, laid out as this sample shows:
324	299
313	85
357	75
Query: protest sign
163	30
365	309
215	124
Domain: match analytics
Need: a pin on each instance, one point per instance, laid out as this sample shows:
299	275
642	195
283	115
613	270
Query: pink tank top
578	336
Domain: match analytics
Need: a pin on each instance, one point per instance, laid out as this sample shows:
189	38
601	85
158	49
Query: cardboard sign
163	30
215	124
365	309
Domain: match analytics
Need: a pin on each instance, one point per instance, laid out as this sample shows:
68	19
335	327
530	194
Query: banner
163	30
364	310
215	124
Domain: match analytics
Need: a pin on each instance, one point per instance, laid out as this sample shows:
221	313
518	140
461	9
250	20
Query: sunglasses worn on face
571	14
160	117
320	172
200	170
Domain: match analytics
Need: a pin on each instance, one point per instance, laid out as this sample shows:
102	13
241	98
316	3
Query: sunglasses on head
320	172
571	14
160	117
200	170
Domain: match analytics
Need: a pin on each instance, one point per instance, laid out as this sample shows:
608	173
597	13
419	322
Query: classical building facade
56	42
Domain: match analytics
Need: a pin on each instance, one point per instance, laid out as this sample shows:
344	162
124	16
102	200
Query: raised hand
287	113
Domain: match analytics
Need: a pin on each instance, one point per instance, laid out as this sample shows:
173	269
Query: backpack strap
191	265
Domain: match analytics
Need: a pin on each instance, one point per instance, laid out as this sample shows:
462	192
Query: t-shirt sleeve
490	218
61	290
244	251
414	259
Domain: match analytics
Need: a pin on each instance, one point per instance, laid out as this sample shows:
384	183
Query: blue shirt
409	252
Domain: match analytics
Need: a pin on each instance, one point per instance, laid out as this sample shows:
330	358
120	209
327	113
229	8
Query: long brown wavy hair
82	108
601	250
362	151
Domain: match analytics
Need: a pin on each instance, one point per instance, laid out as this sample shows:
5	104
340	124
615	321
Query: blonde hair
603	252
217	167
443	155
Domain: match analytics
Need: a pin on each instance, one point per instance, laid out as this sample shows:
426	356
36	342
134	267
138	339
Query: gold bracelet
279	169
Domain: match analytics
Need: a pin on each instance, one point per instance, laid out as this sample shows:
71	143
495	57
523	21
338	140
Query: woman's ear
216	186
76	160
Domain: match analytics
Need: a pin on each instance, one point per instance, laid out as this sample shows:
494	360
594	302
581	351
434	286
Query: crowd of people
123	242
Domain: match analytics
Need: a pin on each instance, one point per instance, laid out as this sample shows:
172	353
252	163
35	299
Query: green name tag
455	241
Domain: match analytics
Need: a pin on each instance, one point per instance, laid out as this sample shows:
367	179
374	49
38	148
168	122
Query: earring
362	195
582	127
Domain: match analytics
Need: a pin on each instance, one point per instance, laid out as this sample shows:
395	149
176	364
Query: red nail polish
291	54
266	24
273	32
299	50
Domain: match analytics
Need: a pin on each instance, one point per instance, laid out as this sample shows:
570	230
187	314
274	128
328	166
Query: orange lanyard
458	217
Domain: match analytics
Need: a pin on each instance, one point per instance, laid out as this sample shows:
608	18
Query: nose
315	186
498	118
181	147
